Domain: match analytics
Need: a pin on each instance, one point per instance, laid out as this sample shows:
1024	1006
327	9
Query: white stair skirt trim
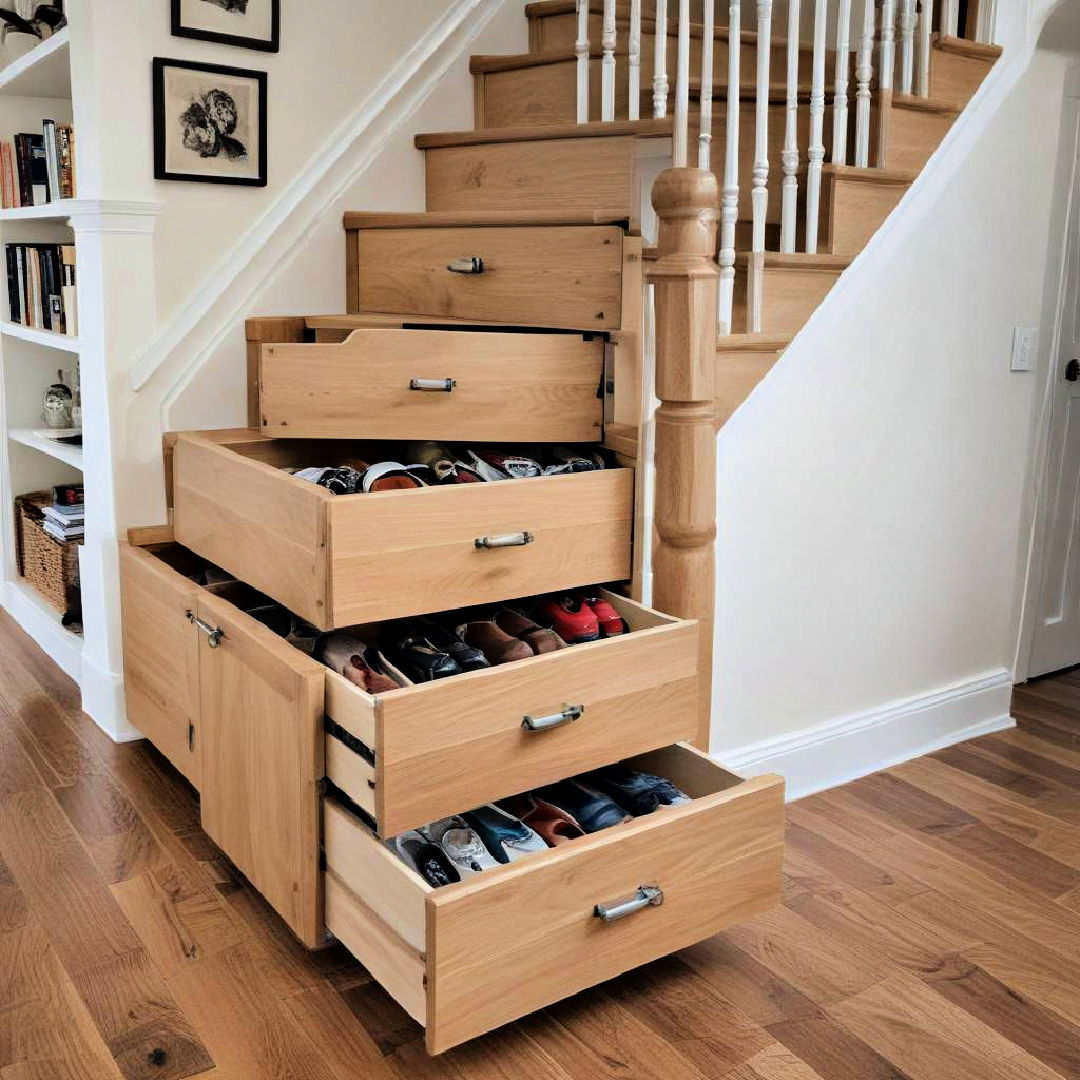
103	701
838	751
229	290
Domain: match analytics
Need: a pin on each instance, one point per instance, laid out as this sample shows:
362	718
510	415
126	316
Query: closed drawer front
531	275
349	559
418	754
469	957
436	384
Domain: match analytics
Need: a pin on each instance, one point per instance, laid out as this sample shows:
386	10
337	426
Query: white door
1056	642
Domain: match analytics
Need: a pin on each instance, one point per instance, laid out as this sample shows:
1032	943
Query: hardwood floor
930	930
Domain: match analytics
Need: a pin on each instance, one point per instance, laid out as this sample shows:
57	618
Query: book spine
52	159
13	282
22	164
68	290
67	168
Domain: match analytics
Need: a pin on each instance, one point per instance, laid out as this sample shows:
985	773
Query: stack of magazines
66	519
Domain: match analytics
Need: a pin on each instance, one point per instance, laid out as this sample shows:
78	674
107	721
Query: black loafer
464	655
592	809
421	661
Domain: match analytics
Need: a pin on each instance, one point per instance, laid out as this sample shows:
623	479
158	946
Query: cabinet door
261	706
160	657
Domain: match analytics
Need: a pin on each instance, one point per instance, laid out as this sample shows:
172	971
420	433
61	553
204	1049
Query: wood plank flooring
930	930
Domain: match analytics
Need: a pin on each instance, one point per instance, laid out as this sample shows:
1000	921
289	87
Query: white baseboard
103	701
42	623
838	751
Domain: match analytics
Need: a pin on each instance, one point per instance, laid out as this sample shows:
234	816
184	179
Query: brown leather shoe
498	646
539	639
555	826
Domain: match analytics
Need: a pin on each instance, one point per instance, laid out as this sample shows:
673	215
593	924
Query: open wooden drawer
469	957
340	560
436	384
427	751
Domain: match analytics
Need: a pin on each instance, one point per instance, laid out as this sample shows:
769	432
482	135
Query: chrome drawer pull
467	264
569	714
214	634
443	385
509	540
646	896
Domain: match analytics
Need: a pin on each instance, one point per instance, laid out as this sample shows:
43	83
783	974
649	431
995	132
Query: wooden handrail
685	276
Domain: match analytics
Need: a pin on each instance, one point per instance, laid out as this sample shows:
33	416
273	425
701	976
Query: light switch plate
1025	348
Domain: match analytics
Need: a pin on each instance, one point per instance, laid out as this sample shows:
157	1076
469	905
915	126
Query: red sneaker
611	623
571	618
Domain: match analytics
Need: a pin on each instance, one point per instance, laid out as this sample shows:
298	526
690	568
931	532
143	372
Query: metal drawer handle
509	540
467	264
443	385
214	634
569	714
646	896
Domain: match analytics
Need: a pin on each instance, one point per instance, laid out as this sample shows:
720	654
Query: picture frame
210	123
247	24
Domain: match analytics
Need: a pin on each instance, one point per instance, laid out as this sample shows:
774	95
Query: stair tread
362	219
871	175
434	140
763	342
961	46
927	105
800	260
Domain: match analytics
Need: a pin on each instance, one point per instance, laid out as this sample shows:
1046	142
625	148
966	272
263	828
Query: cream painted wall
214	395
872	492
333	54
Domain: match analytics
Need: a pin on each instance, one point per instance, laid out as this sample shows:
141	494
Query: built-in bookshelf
35	89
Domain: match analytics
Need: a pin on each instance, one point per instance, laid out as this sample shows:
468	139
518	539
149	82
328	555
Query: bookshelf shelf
48	338
70	455
54	211
43	72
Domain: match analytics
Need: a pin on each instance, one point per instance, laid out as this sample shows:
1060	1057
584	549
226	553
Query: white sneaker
463	847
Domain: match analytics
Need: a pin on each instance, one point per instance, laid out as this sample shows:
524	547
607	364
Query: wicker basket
50	565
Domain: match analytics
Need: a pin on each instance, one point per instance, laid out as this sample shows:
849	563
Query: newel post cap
687	202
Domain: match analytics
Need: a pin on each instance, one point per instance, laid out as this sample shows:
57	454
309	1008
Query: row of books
38	169
41	286
66	518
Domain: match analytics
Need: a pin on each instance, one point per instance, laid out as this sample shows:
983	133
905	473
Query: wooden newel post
685	275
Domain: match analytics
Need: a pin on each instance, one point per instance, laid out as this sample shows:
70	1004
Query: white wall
872	491
333	53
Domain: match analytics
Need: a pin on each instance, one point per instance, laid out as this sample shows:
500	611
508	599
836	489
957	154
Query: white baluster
729	200
950	18
681	134
907	46
843	70
790	205
581	50
987	22
708	33
864	75
888	44
816	153
926	28
660	80
634	60
607	66
760	194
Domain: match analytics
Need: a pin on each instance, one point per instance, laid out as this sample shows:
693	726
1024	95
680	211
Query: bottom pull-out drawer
469	957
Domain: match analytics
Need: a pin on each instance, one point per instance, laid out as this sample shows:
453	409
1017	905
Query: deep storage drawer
469	957
548	275
460	742
436	384
338	560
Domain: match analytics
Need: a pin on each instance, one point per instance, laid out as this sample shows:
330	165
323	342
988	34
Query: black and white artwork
209	122
251	24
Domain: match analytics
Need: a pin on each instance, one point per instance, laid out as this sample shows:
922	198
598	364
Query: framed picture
209	123
251	24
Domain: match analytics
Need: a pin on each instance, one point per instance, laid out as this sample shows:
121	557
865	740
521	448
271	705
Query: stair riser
913	137
790	297
547	93
550	174
955	78
852	211
737	374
